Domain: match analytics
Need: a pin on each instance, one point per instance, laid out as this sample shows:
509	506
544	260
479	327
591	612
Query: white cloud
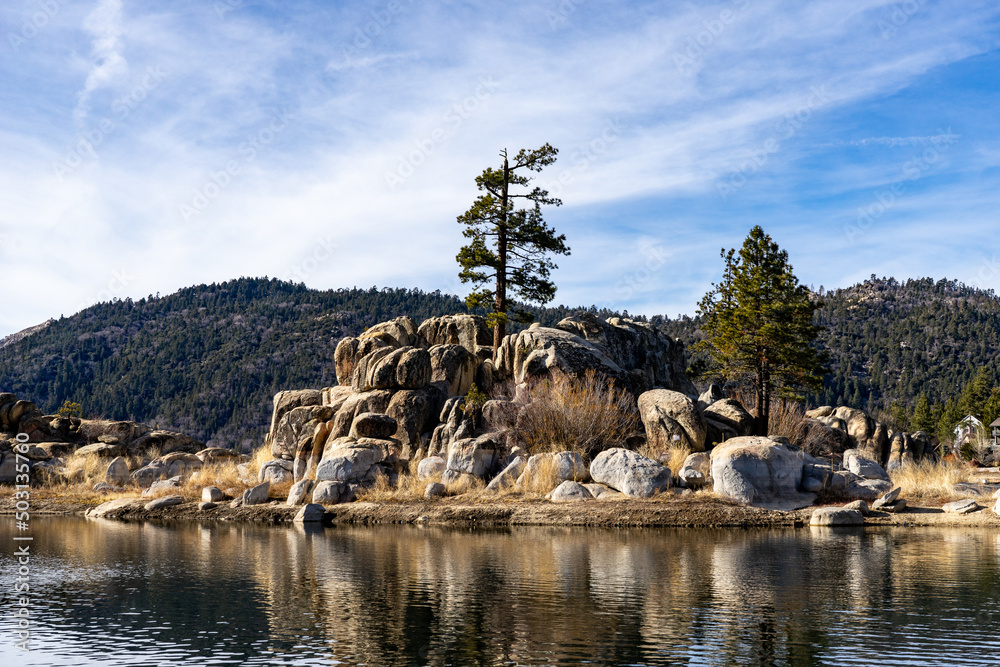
104	23
643	144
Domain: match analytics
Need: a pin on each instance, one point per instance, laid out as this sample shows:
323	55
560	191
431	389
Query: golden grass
585	415
541	479
678	455
408	488
84	472
928	480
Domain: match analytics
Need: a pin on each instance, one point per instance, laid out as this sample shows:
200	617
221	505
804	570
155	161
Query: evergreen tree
976	393
758	325
950	416
923	419
991	408
508	250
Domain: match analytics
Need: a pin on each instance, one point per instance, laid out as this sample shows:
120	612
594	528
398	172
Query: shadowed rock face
635	345
668	414
760	472
634	354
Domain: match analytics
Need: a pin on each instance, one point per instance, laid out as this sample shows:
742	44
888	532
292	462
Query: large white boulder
631	473
761	472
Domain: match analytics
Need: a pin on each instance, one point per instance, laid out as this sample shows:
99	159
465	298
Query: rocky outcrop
392	368
398	332
469	331
906	448
415	412
347	354
672	418
289	400
696	471
476	457
294	426
540	352
454	367
761	472
457	423
635	346
569	492
357	461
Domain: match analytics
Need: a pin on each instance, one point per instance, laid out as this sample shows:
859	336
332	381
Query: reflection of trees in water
400	596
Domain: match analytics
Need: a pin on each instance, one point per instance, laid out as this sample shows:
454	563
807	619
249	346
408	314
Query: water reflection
128	594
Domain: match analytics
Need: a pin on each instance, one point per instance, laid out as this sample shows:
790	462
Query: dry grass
677	457
541	479
585	415
84	472
928	481
785	416
673	457
408	487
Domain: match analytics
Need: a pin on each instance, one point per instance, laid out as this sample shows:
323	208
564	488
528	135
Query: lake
109	593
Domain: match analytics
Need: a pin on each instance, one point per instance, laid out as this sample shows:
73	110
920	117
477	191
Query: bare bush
587	415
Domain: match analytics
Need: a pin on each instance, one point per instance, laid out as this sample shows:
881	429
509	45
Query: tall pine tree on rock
508	251
758	326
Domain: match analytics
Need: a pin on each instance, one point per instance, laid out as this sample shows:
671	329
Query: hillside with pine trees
207	360
920	353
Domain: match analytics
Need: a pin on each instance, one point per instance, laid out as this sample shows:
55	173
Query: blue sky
148	146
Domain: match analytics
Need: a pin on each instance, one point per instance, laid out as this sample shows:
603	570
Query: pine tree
923	418
950	416
758	323
976	393
508	250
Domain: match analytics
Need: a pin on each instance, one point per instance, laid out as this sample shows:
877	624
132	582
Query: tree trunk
766	415
760	422
500	302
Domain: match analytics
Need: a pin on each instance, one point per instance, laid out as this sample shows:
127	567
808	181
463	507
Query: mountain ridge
207	359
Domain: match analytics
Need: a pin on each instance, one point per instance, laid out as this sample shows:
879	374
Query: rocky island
590	422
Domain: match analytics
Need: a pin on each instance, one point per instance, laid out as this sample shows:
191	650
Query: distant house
967	429
995	431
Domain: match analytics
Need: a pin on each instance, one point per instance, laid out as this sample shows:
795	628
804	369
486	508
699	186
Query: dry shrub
786	418
585	415
260	456
677	455
466	485
222	474
673	457
87	470
929	480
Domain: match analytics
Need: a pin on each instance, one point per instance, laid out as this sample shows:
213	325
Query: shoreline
456	512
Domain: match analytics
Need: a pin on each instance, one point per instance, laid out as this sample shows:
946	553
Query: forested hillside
206	360
892	341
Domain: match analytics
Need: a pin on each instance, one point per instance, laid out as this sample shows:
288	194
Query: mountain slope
206	360
889	341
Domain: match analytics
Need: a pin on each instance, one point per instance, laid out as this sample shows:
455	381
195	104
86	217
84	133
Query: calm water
145	594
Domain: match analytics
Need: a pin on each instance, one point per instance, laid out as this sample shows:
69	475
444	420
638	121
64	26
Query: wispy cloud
104	23
894	142
366	91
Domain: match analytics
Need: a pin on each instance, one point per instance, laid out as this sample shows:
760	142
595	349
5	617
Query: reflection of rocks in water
407	595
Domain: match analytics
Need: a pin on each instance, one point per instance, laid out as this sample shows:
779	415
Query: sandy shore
674	512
